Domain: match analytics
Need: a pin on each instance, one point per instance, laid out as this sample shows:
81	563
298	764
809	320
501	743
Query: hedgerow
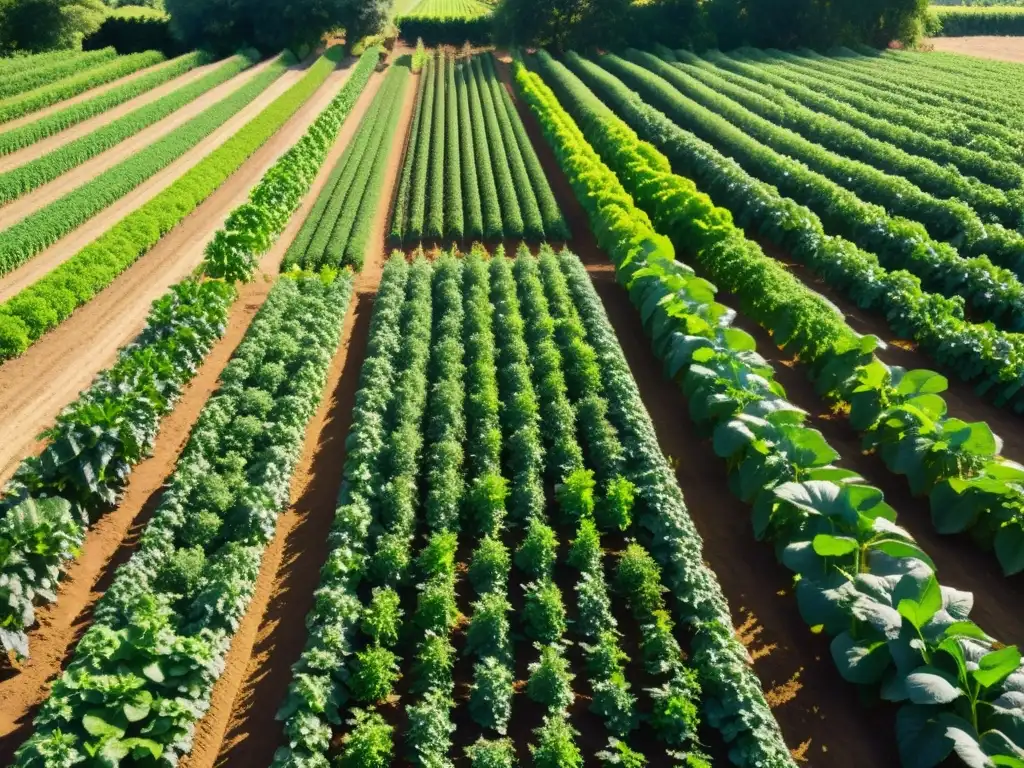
424	151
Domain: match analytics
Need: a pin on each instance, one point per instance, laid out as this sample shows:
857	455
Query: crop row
25	178
981	353
142	675
989	115
956	21
43	227
46	74
92	450
957	464
336	230
51	300
990	201
25	135
971	162
449	9
14	64
44	96
945	219
468	423
991	292
470	170
862	578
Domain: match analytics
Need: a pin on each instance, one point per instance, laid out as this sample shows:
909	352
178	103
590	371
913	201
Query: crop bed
403	469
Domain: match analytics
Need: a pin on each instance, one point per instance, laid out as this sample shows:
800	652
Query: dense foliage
223	26
45	25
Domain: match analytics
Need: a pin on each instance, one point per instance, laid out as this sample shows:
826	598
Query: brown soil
50	143
41	113
25	205
240	728
812	702
984	47
117	314
112	540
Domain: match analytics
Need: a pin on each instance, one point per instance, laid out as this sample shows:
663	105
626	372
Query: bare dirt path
111	541
69	357
984	47
46	261
31	117
240	728
819	713
16	210
57	140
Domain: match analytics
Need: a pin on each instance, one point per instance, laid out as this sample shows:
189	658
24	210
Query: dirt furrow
117	314
819	713
31	117
38	198
240	728
57	140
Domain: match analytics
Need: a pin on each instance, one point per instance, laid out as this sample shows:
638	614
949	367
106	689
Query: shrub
368	744
550	682
489	567
544	612
382	618
556	745
539	551
375	674
490	698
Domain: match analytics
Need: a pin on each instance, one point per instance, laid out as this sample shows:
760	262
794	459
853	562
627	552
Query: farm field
446	8
490	409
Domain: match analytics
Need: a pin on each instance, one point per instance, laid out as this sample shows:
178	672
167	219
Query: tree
224	26
46	25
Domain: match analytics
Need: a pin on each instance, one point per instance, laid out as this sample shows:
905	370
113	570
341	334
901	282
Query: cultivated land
544	497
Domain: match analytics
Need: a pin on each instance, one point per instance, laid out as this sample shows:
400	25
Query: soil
28	204
65	363
819	713
46	111
984	47
240	728
50	143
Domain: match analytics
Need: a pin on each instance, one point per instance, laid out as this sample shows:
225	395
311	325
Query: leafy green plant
369	743
499	753
382	618
538	552
544	611
489	566
555	745
429	735
490	698
550	681
488	630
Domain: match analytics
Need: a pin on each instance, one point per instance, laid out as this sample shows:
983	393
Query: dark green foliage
403	200
511	212
376	671
433	227
135	34
46	25
474	216
539	550
454	219
491	204
488	569
544	612
490	699
550	683
226	25
418	195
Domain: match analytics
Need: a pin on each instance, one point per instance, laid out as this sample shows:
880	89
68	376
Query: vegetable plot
863	580
99	438
456	505
470	170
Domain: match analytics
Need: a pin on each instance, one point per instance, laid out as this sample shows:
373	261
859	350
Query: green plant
544	611
382	618
499	753
490	698
555	745
488	631
550	682
538	552
369	743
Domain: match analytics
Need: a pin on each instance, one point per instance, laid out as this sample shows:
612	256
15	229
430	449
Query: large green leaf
1009	547
921	736
863	664
996	666
931	685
